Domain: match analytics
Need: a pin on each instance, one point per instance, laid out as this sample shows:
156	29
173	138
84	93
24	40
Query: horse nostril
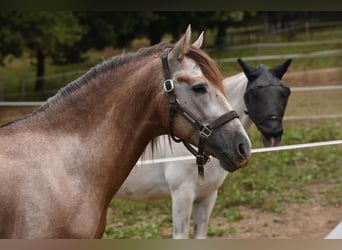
242	150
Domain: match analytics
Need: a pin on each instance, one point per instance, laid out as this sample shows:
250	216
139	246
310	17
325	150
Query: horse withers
259	96
61	165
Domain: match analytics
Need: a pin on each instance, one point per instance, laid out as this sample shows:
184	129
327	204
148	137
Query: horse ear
178	52
279	70
249	71
199	41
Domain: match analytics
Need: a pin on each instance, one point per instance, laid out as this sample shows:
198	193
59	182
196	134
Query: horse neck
112	118
235	88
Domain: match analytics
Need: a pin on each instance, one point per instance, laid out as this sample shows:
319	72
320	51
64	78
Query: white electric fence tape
294	89
258	150
254	151
316	88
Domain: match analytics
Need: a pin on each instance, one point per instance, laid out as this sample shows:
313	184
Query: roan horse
263	96
61	165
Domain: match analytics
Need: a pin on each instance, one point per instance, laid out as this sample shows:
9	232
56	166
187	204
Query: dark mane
108	65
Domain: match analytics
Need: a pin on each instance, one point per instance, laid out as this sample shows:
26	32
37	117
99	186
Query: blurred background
42	51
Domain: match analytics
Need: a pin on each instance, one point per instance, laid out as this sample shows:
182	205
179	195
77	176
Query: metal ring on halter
168	85
206	132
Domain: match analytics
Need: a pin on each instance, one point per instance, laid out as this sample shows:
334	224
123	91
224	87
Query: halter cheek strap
205	131
169	87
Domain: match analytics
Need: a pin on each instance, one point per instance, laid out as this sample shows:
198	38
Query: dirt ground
311	220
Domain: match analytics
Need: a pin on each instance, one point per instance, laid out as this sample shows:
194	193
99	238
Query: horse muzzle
234	160
272	131
271	141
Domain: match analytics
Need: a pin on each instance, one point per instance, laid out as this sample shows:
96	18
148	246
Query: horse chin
228	165
271	141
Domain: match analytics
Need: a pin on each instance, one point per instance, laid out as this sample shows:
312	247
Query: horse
61	165
259	96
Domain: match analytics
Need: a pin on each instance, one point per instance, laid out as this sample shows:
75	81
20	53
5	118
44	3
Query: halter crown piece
205	131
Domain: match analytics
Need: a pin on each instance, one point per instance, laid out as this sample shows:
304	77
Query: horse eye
200	88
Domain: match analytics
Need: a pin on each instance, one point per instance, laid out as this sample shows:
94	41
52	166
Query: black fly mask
266	99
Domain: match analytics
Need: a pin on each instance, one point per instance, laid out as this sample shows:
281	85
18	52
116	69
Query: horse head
266	99
199	111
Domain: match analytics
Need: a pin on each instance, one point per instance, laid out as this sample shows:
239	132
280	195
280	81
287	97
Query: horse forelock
207	66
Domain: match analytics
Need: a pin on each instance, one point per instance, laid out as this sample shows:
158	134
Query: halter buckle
205	132
168	85
200	160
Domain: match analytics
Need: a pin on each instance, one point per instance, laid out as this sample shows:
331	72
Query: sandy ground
313	219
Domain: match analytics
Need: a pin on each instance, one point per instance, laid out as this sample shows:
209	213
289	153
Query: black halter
204	130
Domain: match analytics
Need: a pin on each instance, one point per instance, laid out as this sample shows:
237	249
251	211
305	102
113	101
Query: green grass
270	182
139	220
273	179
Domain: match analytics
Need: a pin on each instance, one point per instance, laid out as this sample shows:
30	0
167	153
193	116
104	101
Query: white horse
265	96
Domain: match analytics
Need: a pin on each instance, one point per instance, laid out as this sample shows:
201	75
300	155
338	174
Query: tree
115	29
40	34
221	20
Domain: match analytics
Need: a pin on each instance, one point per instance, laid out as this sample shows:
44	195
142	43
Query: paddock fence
25	90
254	151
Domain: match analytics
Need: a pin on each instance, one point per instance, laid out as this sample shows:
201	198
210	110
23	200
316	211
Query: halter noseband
205	131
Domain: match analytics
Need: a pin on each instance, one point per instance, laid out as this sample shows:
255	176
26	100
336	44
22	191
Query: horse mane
106	66
206	64
153	146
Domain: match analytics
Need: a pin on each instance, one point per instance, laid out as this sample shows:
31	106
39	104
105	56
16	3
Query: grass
270	182
273	179
140	220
